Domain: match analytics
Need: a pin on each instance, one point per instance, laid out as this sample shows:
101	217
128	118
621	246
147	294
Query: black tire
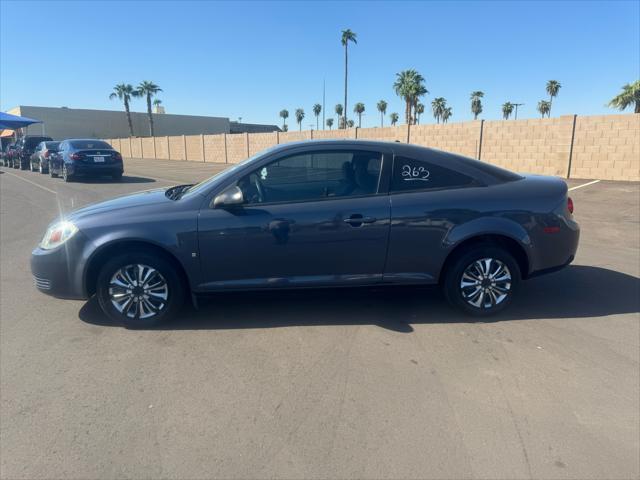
117	177
65	174
168	273
52	174
463	298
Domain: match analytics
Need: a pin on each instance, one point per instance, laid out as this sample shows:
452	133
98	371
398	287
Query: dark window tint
89	144
314	176
53	146
413	174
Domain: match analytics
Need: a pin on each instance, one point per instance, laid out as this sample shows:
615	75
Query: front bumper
58	272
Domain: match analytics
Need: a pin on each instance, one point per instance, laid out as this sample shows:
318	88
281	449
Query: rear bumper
95	169
556	250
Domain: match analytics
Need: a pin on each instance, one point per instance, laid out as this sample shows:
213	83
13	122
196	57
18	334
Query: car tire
65	174
52	174
122	305
482	280
117	177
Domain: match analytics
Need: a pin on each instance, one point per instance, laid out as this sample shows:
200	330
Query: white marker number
411	174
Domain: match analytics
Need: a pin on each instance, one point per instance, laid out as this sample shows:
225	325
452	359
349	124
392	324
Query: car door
316	217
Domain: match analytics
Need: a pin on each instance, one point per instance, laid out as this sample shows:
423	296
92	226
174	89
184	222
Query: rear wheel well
111	250
508	244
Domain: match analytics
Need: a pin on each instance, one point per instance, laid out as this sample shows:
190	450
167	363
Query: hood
147	197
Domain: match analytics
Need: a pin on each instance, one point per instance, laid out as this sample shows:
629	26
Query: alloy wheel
485	283
138	291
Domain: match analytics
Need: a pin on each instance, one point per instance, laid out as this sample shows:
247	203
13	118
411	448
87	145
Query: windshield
52	146
87	144
205	185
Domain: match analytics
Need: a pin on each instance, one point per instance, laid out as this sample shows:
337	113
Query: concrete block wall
605	147
462	138
539	146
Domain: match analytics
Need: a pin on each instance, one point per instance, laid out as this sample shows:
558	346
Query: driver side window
313	176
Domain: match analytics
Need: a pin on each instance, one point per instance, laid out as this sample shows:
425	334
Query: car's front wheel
482	281
139	290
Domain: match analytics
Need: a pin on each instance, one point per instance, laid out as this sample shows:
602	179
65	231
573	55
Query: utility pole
517	105
323	98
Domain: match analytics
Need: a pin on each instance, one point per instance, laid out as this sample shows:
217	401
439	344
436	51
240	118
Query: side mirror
230	197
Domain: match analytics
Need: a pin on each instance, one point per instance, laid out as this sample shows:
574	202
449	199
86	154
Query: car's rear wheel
52	174
65	174
482	280
117	176
139	290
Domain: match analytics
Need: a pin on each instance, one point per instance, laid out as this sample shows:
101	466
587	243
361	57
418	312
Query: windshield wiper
174	193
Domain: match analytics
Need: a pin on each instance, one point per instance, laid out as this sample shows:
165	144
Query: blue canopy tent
13	121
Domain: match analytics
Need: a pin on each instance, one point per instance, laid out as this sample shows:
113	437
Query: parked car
7	154
25	147
85	157
315	214
40	157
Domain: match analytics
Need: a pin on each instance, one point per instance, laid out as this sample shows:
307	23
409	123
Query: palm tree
359	109
507	110
630	95
553	87
284	114
476	103
419	111
148	89
339	110
446	113
409	85
394	118
124	91
544	107
157	102
317	108
299	117
382	108
347	36
350	123
438	105
329	123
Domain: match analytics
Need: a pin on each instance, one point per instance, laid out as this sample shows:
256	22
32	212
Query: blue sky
250	60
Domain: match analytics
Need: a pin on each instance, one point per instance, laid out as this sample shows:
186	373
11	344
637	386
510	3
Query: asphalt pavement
373	383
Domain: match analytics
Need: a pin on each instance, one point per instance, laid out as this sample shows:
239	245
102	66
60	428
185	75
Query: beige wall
606	147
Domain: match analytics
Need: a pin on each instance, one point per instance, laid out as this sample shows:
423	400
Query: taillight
75	156
570	205
117	156
46	154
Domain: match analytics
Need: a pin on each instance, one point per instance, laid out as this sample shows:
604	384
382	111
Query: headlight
57	234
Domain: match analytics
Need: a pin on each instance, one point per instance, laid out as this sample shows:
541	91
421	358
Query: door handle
357	220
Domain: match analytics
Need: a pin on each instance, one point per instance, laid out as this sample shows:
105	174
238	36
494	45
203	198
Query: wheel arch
501	240
97	259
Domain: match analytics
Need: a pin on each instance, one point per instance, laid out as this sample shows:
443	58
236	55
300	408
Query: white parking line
32	183
584	185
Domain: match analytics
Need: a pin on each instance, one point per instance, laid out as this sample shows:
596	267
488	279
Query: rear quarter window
413	174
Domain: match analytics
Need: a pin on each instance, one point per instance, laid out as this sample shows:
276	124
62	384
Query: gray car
315	214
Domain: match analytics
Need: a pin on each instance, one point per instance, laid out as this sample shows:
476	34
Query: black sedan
40	158
315	214
85	157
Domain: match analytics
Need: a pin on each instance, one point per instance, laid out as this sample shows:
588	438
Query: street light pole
517	105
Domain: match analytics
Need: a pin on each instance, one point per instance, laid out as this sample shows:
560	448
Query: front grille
42	283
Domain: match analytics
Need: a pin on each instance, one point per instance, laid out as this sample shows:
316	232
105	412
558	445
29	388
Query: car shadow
575	292
125	179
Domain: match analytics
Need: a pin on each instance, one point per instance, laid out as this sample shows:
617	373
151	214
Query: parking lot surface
374	383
